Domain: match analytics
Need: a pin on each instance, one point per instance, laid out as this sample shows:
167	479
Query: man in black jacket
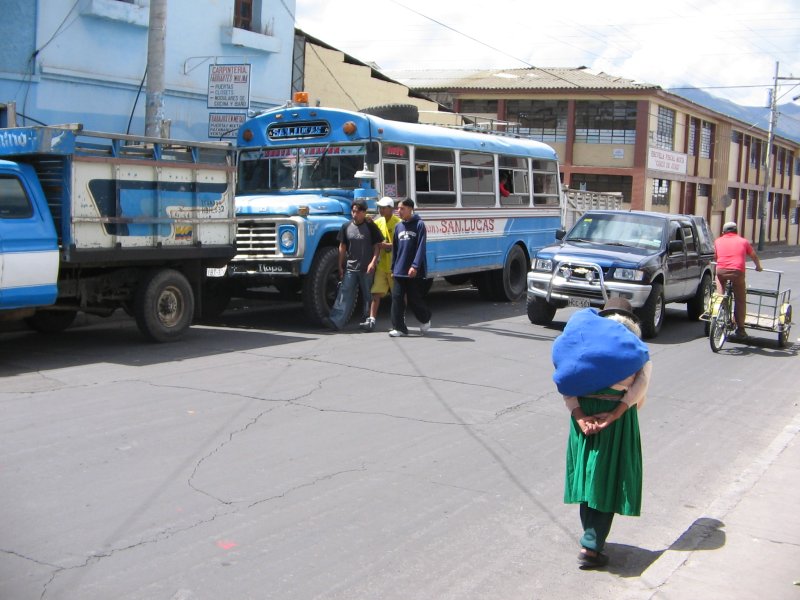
409	270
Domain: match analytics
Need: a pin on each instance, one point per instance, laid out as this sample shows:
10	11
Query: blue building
84	61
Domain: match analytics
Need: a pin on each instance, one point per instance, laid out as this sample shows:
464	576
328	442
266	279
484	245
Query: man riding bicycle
732	251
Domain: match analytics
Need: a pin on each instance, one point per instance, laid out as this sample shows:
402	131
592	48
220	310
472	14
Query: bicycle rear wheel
718	332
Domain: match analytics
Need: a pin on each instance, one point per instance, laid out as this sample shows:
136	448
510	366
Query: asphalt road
260	458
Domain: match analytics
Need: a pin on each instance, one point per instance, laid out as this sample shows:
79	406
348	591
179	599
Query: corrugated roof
515	79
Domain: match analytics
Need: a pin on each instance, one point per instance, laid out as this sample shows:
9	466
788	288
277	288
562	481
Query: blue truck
93	222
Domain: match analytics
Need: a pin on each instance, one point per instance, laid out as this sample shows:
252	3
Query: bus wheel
321	284
164	305
511	281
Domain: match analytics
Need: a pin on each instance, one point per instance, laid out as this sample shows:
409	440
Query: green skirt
604	469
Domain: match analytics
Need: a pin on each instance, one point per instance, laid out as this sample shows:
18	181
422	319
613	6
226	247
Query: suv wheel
653	311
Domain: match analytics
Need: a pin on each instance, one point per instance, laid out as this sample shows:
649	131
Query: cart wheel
718	332
783	336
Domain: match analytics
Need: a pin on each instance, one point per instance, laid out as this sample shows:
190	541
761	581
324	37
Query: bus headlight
287	239
543	264
629	274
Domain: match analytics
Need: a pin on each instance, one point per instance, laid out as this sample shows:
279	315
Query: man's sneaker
368	325
397	333
423	329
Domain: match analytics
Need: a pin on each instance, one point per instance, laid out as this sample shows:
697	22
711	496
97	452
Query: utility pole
767	162
157	33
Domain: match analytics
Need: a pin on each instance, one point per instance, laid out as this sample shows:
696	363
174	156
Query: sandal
589	561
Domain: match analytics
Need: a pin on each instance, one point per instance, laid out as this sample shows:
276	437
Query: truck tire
696	306
320	285
509	283
540	312
164	305
51	321
653	312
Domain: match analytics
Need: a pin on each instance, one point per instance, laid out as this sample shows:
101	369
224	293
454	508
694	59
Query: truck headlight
629	274
287	239
543	264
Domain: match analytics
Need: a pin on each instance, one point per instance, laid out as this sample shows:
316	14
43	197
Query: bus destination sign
298	131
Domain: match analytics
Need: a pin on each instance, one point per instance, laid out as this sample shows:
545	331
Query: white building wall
90	59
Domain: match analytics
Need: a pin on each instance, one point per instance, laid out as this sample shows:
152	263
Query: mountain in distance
788	114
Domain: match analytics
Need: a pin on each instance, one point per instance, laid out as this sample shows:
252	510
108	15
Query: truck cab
650	259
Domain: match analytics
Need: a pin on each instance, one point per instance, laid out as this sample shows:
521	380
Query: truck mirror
373	155
675	246
560	233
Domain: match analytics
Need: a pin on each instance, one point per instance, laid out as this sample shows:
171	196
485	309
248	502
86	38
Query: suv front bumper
572	291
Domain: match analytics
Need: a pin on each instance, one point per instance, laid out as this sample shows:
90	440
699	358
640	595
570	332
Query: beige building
335	79
661	151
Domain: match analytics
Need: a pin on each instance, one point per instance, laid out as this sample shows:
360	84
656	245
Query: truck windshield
636	231
304	168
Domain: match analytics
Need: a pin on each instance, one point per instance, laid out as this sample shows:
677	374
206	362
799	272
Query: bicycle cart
768	309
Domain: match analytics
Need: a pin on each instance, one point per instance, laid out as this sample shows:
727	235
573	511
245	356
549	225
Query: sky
729	48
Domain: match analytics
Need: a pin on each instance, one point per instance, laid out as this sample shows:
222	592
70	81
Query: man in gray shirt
359	249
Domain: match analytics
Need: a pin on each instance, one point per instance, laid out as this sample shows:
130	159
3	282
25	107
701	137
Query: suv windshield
626	229
310	167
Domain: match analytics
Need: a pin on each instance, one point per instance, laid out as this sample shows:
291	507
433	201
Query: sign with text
225	125
229	86
659	159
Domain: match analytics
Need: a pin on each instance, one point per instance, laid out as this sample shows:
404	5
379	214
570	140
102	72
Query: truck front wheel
320	285
652	313
540	312
164	305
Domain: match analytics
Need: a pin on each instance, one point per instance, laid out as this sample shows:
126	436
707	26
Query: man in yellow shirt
383	282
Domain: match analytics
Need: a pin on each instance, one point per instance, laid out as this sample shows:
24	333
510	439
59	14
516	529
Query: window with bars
544	120
752	201
706	135
605	122
703	189
777	205
665	130
755	152
478	107
736	137
661	188
692	147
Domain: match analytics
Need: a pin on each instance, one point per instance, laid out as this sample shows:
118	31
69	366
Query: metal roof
533	78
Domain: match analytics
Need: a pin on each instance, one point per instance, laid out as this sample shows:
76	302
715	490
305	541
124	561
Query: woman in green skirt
603	370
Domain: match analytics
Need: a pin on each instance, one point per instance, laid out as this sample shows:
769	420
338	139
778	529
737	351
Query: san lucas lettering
460	226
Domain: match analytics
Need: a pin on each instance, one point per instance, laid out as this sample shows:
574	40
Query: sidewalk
748	546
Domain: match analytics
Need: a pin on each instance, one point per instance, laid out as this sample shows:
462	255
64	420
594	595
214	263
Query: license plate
579	302
211	272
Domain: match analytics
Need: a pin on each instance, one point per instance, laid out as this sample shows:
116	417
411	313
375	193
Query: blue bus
301	167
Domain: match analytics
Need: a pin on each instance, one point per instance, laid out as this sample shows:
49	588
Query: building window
479	107
703	189
797	166
692	148
781	157
609	122
661	192
736	137
706	135
243	14
755	152
602	183
665	131
751	204
544	120
777	200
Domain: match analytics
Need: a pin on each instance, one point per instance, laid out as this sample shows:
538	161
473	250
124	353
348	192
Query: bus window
395	171
434	177
270	170
330	166
545	183
516	168
477	179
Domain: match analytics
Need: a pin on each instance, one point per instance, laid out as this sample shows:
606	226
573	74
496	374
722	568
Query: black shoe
588	561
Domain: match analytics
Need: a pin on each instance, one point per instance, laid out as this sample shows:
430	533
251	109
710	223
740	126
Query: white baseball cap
386	201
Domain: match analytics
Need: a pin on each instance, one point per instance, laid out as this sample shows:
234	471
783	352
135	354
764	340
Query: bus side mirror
373	154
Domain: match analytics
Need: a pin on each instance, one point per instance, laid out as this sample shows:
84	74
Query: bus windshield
631	230
303	168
